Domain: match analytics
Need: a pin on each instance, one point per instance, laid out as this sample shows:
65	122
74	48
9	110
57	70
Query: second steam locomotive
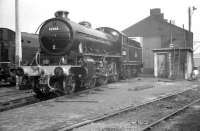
30	46
73	56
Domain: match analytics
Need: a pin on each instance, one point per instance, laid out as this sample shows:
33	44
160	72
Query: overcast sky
118	14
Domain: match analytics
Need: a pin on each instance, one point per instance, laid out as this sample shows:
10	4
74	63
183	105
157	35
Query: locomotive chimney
62	14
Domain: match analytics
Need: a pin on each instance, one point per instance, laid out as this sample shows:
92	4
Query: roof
172	49
30	35
153	25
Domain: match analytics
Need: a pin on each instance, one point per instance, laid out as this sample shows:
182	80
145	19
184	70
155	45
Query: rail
111	114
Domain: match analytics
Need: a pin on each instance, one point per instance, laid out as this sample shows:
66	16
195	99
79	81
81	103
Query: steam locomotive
30	45
74	55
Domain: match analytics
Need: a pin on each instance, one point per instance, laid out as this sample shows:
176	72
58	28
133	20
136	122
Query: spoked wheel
102	81
129	72
115	78
58	88
71	88
91	83
37	89
134	72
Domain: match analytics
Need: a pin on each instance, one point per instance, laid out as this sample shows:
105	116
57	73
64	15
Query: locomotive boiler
59	36
74	55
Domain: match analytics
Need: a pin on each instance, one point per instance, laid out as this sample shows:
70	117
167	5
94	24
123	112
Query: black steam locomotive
75	55
30	45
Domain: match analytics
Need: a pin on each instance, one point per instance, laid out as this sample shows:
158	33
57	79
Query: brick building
156	33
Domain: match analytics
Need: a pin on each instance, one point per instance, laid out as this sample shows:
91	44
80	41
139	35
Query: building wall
173	63
197	62
149	43
178	37
196	58
158	33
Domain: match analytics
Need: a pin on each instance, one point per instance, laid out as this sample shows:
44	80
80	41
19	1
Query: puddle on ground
98	89
138	88
164	83
74	115
92	92
196	107
151	98
47	104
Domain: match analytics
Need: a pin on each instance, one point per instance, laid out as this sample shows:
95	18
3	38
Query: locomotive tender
73	56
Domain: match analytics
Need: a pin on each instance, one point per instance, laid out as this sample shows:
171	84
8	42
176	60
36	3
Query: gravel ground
189	120
54	113
11	93
137	119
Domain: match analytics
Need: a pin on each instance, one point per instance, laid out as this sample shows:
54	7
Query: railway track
11	104
127	109
72	112
11	98
14	93
27	99
149	127
23	101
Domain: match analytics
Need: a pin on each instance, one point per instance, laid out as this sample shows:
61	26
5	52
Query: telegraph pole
18	46
189	19
190	12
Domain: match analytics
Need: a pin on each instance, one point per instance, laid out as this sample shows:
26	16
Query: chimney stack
62	14
156	13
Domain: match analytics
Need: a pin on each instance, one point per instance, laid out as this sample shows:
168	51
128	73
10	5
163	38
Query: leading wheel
69	86
37	88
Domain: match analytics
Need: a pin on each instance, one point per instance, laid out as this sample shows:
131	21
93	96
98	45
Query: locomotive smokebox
62	14
56	34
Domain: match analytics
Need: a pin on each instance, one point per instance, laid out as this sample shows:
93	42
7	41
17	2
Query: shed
156	33
173	63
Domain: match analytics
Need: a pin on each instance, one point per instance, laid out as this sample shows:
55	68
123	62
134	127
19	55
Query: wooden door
163	70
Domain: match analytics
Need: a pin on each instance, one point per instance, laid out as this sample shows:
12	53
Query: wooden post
170	64
155	65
